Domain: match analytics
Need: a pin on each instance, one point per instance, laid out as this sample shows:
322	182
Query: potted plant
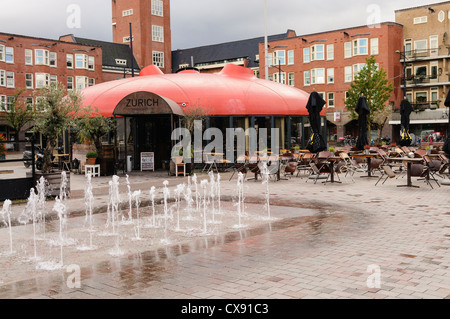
428	148
331	149
296	149
91	157
2	147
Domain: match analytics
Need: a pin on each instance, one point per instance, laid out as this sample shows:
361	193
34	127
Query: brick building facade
327	63
150	28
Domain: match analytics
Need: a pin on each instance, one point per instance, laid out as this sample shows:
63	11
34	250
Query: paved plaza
352	240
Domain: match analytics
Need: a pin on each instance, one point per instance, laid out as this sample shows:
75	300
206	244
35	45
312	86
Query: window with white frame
2	53
434	94
2	78
419	20
434	44
42	80
81	61
157	8
318	76
330	75
291	57
81	82
441	16
10	82
53	59
41	57
347	50
330	51
291	78
91	63
306	55
29	103
408	47
360	47
307	78
279	57
330	99
374	46
9	103
70	82
420	46
357	68
421	96
91	82
280	77
9	55
157	33
158	59
3	102
433	70
127	39
53	79
29	80
318	52
348	75
28	57
269	61
69	61
126	13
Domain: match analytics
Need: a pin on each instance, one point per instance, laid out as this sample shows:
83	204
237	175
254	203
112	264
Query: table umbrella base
408	186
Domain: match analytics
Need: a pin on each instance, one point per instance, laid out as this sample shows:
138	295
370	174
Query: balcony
426	54
419	106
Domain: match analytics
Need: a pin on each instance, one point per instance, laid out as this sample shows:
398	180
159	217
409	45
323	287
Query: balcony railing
421	79
424	105
426	53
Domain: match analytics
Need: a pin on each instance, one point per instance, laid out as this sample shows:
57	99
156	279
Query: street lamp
403	56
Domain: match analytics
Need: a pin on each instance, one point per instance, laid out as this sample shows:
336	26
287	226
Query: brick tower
150	20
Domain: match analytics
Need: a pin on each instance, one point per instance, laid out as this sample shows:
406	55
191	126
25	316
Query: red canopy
233	91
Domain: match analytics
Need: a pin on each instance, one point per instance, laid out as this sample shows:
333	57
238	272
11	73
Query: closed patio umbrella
314	106
446	147
362	110
405	112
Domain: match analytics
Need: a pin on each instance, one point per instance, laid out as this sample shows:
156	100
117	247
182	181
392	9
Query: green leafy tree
19	114
56	109
93	126
371	82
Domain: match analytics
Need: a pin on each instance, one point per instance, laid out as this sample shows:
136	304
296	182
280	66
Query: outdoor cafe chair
290	168
348	166
422	171
303	164
387	172
433	167
444	170
239	167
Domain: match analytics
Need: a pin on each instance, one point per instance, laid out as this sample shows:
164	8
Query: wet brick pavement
352	228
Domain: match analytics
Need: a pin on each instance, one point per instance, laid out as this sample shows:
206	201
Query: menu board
147	161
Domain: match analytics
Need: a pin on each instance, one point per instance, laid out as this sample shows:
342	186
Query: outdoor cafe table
60	159
331	160
409	161
369	161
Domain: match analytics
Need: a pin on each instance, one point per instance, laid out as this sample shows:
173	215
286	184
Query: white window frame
126	13
29	80
315	52
347	50
317	78
2	53
10	80
41	77
434	91
348	74
3	102
9	52
434	45
279	77
306	55
422	50
408	43
374	46
291	78
330	52
158	58
157	8
157	33
306	78
329	100
45	56
127	39
70	83
419	20
330	76
82	59
91	63
358	47
290	57
3	78
28	57
69	59
357	68
279	57
53	78
53	59
81	82
91	82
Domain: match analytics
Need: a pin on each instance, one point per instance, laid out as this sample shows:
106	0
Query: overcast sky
199	22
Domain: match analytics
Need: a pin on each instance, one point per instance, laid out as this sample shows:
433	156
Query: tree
19	114
371	82
194	114
93	126
380	119
55	112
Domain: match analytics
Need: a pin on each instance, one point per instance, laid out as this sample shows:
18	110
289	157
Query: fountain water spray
212	191
6	214
240	189
188	199
166	192
178	190
60	208
136	196
197	203
89	202
218	192
42	190
152	198
265	180
203	185
30	213
63	194
114	198
130	200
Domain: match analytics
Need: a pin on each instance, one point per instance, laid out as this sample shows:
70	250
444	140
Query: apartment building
328	62
425	57
150	30
31	63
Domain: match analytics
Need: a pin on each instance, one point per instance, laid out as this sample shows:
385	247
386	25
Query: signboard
337	116
146	103
147	161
